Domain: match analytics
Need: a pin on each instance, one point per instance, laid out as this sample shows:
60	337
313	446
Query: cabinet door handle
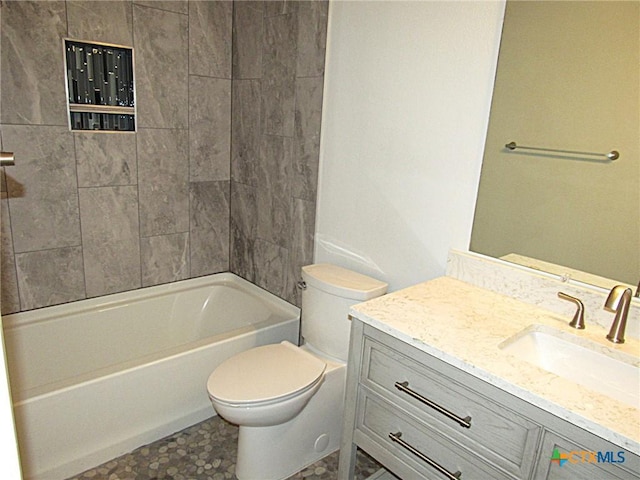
404	387
395	437
6	159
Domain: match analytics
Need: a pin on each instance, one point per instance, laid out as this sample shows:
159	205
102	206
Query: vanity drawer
415	451
441	396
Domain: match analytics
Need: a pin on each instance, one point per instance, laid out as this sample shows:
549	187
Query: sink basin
594	366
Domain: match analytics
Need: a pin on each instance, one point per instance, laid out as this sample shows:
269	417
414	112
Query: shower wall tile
209	129
244	228
271	267
42	187
209	231
165	258
244	209
312	38
304	168
247	39
110	239
10	296
210	34
308	109
274	191
301	250
280	7
163	181
276	141
32	81
161	40
108	159
242	261
50	277
108	22
228	98
279	75
245	125
178	6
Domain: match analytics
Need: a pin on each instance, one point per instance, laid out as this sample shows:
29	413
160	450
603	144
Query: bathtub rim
42	314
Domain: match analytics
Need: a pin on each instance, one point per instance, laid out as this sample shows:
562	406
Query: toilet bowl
288	400
277	382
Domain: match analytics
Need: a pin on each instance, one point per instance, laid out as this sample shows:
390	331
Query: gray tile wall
201	187
88	214
278	74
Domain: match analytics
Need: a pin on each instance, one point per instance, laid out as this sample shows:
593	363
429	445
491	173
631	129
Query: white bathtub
94	379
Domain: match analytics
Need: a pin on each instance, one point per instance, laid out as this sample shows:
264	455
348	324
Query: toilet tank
330	292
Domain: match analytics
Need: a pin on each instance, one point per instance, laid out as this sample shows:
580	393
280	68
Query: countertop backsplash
538	288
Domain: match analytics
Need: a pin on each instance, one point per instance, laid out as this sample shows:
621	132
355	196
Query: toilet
288	400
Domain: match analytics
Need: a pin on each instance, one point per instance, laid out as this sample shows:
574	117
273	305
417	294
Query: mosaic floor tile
205	451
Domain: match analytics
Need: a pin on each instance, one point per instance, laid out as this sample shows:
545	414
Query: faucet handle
578	318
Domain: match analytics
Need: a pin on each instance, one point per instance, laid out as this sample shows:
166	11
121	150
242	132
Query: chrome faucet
618	301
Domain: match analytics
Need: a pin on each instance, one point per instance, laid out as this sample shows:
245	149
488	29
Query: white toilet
288	400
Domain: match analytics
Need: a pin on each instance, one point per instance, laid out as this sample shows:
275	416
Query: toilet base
279	451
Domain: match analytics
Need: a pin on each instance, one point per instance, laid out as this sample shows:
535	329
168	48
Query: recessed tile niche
100	86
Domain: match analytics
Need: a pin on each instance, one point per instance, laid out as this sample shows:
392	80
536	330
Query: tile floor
205	451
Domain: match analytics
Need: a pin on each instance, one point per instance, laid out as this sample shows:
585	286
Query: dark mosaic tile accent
205	451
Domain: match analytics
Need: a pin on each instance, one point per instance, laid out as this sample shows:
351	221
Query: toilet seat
271	373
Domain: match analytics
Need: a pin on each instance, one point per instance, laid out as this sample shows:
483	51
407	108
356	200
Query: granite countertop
464	325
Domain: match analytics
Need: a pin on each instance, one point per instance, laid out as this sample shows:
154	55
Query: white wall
406	104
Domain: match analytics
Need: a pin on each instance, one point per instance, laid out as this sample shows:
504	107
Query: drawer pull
404	387
451	476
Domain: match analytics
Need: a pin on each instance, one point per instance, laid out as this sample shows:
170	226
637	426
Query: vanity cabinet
423	418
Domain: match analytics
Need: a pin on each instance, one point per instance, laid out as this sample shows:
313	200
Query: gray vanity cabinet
425	419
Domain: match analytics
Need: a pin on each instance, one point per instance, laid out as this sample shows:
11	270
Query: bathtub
94	379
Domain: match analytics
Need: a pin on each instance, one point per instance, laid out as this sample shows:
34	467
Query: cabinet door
561	459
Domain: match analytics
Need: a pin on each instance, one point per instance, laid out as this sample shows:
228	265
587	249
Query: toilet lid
264	374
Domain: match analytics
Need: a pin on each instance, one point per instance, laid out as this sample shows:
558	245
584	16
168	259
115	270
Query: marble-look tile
245	126
32	80
163	181
101	21
244	230
106	159
210	33
42	187
209	129
301	249
308	109
209	229
110	239
274	190
244	205
10	298
50	277
279	75
178	6
271	267
161	40
280	7
304	168
247	39
312	37
165	258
